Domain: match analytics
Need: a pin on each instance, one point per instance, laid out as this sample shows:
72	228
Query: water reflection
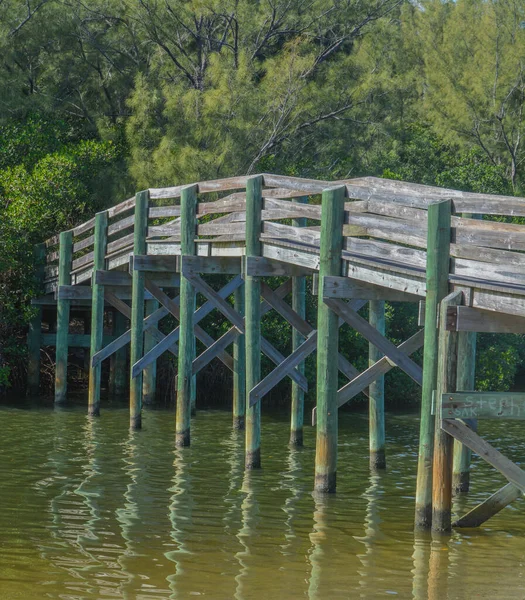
180	516
320	545
372	534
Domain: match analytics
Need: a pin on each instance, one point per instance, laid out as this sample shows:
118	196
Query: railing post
466	383
253	322
97	311
185	379
137	309
63	306
438	252
239	367
443	448
149	384
376	390
332	217
34	336
299	306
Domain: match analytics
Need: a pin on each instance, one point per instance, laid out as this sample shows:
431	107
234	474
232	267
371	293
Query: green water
90	510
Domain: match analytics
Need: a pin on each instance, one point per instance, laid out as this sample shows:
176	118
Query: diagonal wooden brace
489	507
125	338
284	368
210	353
344	310
238	322
304	328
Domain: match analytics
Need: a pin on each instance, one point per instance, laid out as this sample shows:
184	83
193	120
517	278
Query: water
90	510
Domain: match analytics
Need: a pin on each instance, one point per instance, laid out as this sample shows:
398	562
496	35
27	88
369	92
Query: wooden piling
149	383
137	309
443	442
97	311
332	217
34	336
438	252
252	288
63	307
239	368
299	306
376	391
465	383
188	207
119	359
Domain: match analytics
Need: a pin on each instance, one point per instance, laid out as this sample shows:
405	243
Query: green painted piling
34	336
443	442
149	383
137	309
438	251
252	288
118	360
239	367
332	217
97	311
63	308
185	379
376	391
299	306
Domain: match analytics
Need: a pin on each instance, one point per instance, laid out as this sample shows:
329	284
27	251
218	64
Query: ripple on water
90	510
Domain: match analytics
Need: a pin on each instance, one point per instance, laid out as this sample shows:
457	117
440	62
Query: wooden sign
483	405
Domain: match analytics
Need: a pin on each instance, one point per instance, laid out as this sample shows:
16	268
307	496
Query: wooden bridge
362	241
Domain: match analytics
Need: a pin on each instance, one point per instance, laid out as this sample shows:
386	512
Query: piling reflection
372	534
420	560
180	516
246	534
318	550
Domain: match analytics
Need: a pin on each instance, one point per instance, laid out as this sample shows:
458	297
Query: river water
90	510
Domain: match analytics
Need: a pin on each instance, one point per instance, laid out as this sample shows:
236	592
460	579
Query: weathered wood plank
97	312
364	379
157	264
344	287
443	443
489	507
483	405
222	265
215	349
260	266
475	319
283	369
486	451
342	309
379	275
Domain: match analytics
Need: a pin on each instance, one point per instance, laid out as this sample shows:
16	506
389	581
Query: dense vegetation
100	98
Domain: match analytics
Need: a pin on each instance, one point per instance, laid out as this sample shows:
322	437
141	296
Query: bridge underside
359	243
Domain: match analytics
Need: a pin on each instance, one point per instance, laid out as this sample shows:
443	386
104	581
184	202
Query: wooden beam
218	265
63	308
261	266
253	323
344	287
483	405
488	453
443	446
97	311
214	350
137	309
486	321
298	339
332	211
437	269
239	367
156	263
342	309
489	507
185	380
376	408
149	382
